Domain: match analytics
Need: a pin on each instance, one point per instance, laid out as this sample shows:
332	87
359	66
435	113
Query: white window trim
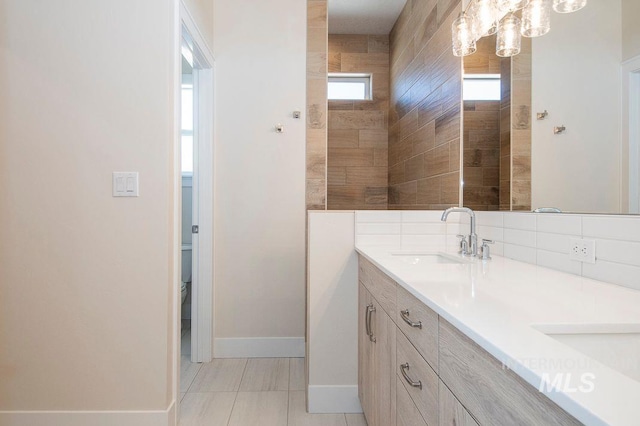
367	79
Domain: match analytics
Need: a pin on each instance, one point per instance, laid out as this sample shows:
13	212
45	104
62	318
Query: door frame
630	158
185	29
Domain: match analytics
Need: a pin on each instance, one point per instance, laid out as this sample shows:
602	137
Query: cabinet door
365	356
451	412
384	331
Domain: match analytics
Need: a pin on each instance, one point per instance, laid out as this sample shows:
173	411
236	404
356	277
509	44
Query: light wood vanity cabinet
376	361
416	369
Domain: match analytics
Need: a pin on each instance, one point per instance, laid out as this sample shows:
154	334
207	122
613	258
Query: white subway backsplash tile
424	228
519	237
558	243
379	216
558	261
522	221
433	216
559	224
626	252
616	273
410	242
521	253
378	228
542	239
613	228
495	219
393	242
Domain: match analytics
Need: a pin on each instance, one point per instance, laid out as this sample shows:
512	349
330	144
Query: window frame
367	79
481	77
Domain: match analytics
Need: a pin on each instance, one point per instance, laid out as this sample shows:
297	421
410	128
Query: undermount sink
615	345
416	258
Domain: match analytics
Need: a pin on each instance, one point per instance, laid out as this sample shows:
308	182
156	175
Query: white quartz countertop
505	305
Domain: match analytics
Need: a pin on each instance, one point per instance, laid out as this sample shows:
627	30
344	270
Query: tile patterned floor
250	392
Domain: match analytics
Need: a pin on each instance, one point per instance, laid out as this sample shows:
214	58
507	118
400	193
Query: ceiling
363	16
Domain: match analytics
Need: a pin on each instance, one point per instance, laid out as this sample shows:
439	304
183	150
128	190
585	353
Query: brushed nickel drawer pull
405	316
370	310
404	368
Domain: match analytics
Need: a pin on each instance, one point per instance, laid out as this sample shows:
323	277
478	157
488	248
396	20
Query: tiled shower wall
424	117
357	130
316	176
540	239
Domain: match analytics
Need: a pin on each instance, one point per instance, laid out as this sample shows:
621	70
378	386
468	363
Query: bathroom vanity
450	340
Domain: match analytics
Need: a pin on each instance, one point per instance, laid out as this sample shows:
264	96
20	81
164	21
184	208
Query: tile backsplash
541	239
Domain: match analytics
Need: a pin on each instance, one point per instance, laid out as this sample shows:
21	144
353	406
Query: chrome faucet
472	246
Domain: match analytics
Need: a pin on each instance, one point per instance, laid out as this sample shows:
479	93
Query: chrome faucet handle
463	244
486	250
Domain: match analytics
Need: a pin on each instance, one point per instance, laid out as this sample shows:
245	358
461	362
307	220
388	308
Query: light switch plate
125	184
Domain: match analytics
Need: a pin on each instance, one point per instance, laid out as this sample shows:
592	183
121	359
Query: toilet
186	270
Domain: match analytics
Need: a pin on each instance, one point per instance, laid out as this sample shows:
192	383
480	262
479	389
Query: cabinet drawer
381	287
423	334
407	413
410	366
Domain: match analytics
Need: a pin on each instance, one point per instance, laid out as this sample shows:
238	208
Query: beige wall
202	13
358	130
630	29
425	108
85	278
259	206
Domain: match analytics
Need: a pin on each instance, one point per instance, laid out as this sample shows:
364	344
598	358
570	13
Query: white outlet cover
582	250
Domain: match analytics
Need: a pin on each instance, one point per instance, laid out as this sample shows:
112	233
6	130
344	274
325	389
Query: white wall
86	316
202	13
259	206
332	313
630	29
576	77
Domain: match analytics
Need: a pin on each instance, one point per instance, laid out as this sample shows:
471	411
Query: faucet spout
473	237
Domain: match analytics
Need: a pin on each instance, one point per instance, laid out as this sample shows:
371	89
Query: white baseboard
334	399
259	347
94	418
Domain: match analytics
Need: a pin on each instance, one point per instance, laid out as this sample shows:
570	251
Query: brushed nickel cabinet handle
404	368
366	320
405	316
370	310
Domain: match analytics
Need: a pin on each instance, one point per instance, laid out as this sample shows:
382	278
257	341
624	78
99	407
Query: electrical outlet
583	250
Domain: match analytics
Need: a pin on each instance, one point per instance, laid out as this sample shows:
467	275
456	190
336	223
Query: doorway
195	334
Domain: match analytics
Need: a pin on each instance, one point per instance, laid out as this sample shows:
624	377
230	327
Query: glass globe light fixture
505	6
485	15
509	36
463	35
568	6
536	18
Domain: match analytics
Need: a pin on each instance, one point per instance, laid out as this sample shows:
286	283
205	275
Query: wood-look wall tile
429	190
317	65
481	139
376	195
472	177
317	40
349	157
378	44
334	63
340	196
364	62
396	174
404	193
316	163
490	176
375	176
348	43
437	160
408	124
450	189
381	157
424	138
414	168
374	138
340	105
336	175
316	14
357	120
428	27
316	192
430	108
454	155
343	138
448	126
